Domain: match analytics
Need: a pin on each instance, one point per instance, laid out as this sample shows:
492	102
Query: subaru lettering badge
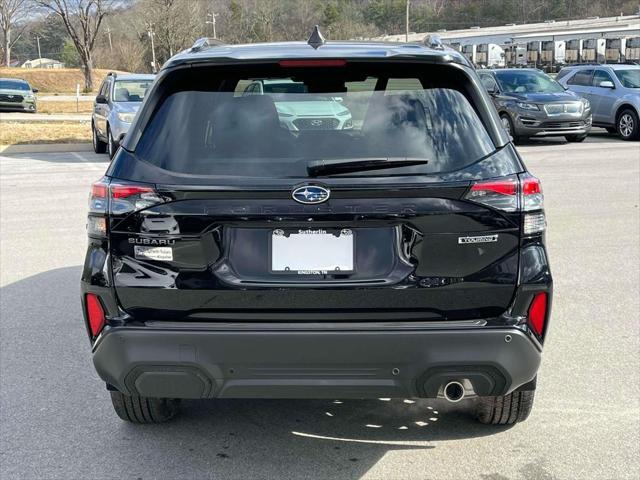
310	194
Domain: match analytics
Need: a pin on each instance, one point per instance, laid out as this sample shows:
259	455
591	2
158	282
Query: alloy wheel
625	125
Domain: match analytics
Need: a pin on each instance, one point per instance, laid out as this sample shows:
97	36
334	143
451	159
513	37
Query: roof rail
433	41
205	42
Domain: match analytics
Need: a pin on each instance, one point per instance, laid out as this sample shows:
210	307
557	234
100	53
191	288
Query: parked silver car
532	104
115	106
614	93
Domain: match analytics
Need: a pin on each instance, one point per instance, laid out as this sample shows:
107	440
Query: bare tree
13	14
175	24
82	19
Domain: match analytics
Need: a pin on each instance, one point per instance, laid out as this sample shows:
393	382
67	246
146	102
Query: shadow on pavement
58	156
595	136
50	391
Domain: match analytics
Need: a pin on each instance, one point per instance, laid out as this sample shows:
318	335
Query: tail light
95	313
534	220
501	194
510	194
117	198
98	204
131	197
538	313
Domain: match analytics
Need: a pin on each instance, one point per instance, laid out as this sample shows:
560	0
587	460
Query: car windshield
527	82
131	90
629	78
232	128
14	85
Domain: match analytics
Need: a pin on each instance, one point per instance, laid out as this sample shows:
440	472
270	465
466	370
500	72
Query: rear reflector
312	63
538	313
95	313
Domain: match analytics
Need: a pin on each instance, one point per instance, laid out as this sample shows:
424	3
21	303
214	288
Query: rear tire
98	145
506	409
627	125
136	409
575	138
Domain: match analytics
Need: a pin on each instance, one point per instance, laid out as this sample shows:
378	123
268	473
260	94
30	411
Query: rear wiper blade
316	168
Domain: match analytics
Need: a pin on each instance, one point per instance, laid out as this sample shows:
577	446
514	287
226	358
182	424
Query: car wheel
111	144
136	409
627	125
507	124
506	409
575	138
98	145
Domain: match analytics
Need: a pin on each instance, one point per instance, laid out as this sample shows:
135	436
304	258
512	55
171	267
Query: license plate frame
295	245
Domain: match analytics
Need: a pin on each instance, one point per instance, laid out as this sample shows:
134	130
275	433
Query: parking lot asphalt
57	420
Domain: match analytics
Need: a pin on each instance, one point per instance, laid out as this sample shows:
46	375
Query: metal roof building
607	27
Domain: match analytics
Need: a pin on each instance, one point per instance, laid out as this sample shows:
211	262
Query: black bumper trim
313	364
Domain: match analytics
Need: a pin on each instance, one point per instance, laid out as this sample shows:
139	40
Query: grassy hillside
52	80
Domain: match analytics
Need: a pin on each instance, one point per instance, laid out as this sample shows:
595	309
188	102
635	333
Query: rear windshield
131	90
274	125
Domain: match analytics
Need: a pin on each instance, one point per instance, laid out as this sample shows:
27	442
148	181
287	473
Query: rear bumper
313	363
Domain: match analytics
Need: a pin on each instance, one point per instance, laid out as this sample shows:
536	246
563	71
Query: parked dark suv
230	257
531	104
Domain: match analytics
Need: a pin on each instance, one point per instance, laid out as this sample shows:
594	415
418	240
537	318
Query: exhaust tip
454	391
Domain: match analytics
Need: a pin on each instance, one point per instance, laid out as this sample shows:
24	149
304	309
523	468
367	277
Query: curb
46	148
56	118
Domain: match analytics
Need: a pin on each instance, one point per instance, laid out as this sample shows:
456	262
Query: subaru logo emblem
316	123
310	194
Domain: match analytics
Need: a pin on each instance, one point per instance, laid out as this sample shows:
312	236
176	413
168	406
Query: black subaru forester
247	243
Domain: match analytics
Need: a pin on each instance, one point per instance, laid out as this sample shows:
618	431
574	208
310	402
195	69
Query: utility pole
151	34
212	22
8	48
406	37
39	52
109	35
